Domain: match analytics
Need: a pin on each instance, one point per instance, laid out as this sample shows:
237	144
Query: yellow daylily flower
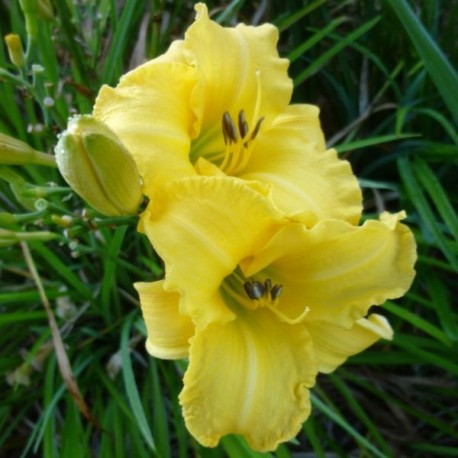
217	103
261	303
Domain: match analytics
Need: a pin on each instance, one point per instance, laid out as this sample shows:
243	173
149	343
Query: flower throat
238	142
238	135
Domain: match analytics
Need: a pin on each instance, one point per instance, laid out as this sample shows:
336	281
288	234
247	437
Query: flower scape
269	276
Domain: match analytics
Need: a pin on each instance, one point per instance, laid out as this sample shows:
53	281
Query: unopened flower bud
16	152
15	49
98	167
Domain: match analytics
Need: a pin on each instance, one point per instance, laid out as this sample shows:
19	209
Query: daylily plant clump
269	278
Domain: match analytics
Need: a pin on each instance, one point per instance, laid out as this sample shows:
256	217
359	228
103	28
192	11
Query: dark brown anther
243	125
276	291
257	289
224	130
229	128
247	286
256	128
267	286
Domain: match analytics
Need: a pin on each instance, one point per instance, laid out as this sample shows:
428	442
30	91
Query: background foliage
382	73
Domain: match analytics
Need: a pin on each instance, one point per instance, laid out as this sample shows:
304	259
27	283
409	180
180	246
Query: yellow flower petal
168	331
154	123
334	344
202	227
250	377
336	269
304	120
290	156
228	61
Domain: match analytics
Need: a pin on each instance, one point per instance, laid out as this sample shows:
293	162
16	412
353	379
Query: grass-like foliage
383	76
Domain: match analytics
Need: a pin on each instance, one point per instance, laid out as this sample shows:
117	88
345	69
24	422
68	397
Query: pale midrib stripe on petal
251	378
214	248
344	270
285	185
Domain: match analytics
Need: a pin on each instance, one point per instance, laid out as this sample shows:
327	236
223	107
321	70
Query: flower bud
15	50
98	167
16	152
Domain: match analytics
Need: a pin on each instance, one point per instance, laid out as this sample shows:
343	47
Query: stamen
226	138
275	292
257	289
256	128
243	125
229	128
238	140
247	286
260	294
267	287
254	289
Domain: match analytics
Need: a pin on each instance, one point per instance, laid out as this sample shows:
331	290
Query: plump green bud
15	50
98	167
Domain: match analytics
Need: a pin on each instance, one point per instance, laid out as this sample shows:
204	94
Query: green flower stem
44	191
7	219
13	236
79	226
30	10
18	80
44	159
121	221
7	174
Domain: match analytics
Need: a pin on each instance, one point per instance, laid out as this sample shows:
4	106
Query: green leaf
316	38
345	425
358	144
328	55
15	317
436	63
415	192
359	410
436	192
111	255
284	23
131	386
112	65
418	322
